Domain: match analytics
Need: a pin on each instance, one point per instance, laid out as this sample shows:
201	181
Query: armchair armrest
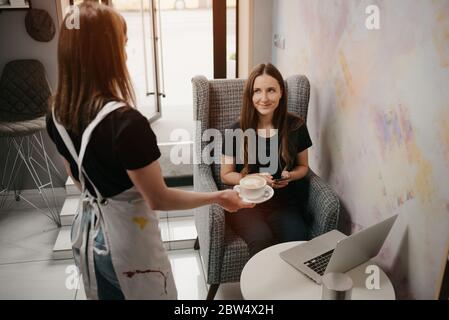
210	224
323	205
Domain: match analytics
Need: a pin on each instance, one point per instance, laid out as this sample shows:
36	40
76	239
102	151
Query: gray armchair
217	104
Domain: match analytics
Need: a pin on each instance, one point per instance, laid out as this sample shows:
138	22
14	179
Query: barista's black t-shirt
122	141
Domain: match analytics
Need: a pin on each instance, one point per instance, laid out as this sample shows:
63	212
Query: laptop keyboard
319	264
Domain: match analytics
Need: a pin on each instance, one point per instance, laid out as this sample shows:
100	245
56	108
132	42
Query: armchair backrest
217	104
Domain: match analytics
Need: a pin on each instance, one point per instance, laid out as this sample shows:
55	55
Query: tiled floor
27	270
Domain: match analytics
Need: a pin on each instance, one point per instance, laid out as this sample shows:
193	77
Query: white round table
267	277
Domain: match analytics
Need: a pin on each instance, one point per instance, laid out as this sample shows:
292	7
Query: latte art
252	182
252	187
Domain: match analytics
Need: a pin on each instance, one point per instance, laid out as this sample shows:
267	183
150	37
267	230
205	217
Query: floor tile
163	225
43	280
229	291
182	244
26	236
188	273
162	214
71	188
63	245
69	209
226	291
180	213
182	228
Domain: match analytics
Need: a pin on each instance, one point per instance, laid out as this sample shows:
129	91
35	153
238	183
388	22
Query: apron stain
140	221
131	274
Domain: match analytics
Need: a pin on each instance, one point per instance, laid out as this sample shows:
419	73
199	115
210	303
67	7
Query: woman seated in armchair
283	138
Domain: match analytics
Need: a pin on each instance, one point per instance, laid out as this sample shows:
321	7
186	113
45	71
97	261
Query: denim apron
130	229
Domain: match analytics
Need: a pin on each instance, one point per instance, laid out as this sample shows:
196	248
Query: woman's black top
299	138
122	141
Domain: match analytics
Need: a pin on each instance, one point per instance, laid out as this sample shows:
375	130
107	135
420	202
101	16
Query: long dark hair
283	120
92	66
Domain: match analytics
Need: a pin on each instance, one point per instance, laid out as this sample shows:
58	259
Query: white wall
255	34
17	44
263	31
378	118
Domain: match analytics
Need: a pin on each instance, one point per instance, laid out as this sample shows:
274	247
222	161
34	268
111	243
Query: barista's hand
231	201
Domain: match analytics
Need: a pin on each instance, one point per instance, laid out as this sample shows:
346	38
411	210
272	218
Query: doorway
143	56
170	42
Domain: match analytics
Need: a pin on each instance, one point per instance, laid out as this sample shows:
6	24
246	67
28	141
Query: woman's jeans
107	283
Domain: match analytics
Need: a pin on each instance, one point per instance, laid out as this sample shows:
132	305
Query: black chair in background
24	97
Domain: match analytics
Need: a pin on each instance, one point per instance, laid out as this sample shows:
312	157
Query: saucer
269	192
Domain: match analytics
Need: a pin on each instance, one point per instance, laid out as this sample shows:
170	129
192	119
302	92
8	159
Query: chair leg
25	153
196	246
212	291
7	184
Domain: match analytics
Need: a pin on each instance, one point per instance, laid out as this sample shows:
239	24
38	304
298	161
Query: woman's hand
231	201
286	176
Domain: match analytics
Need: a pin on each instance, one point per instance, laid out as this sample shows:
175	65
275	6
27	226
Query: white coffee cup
252	187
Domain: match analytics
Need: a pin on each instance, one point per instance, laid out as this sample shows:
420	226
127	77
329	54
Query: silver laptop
336	252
